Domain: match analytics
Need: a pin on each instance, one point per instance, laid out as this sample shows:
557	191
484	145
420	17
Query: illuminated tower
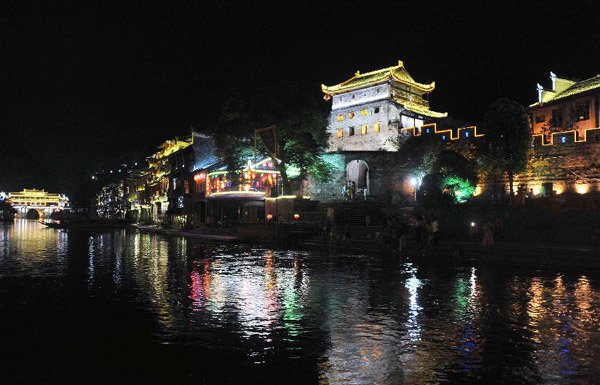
370	108
368	113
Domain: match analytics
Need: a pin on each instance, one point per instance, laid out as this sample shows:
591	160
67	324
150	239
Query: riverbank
533	254
194	234
536	236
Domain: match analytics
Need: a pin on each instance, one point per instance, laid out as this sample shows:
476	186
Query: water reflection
332	319
27	247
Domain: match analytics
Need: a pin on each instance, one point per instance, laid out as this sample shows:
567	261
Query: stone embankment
537	236
195	234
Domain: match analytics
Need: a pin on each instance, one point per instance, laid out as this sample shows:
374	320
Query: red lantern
198	177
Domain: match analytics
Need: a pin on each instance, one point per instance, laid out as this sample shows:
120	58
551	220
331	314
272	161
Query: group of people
349	190
424	230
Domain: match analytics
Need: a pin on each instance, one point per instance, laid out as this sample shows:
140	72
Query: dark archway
32	214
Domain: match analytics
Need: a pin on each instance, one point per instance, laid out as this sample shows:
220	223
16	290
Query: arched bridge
34	204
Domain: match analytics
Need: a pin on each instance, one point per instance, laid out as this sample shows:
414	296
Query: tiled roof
397	73
577	88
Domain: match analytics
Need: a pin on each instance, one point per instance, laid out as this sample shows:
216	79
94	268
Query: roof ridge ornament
357	73
540	89
400	63
553	78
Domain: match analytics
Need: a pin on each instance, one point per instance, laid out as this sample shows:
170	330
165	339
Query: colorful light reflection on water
227	314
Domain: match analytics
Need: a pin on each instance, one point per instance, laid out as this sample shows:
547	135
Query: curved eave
428	113
420	86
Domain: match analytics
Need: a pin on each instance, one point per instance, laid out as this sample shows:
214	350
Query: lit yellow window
340	132
351	115
340	117
363	112
363	129
376	127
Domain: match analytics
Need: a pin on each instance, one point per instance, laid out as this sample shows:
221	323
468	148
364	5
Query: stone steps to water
355	213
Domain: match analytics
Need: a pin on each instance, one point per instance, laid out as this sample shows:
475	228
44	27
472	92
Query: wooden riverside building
565	123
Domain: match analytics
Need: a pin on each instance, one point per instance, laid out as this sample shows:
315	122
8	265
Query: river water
120	306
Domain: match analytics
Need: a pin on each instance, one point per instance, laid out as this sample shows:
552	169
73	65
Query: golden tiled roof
577	88
397	73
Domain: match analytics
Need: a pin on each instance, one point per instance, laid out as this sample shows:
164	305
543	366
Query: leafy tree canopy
301	127
508	138
449	165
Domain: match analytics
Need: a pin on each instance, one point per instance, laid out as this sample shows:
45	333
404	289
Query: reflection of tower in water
365	342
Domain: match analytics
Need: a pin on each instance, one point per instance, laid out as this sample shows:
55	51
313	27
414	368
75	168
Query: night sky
85	84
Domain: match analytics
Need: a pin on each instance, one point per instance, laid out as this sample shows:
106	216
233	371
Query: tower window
583	111
376	127
340	133
351	115
540	118
376	110
340	117
363	129
363	112
351	131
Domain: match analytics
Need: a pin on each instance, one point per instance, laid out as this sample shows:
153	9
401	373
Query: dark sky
88	83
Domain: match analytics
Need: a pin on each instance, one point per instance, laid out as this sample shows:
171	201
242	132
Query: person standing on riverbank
402	235
488	233
419	230
435	226
387	231
429	229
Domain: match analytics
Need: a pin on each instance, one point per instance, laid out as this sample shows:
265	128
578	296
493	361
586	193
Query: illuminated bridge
34	204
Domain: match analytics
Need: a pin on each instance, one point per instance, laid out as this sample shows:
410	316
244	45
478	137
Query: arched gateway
357	171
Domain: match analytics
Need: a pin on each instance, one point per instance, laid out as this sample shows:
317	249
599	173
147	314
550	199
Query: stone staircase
354	213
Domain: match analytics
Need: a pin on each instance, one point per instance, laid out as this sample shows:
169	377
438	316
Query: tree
443	165
458	174
300	121
508	138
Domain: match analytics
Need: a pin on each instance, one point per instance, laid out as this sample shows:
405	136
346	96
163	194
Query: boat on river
98	223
